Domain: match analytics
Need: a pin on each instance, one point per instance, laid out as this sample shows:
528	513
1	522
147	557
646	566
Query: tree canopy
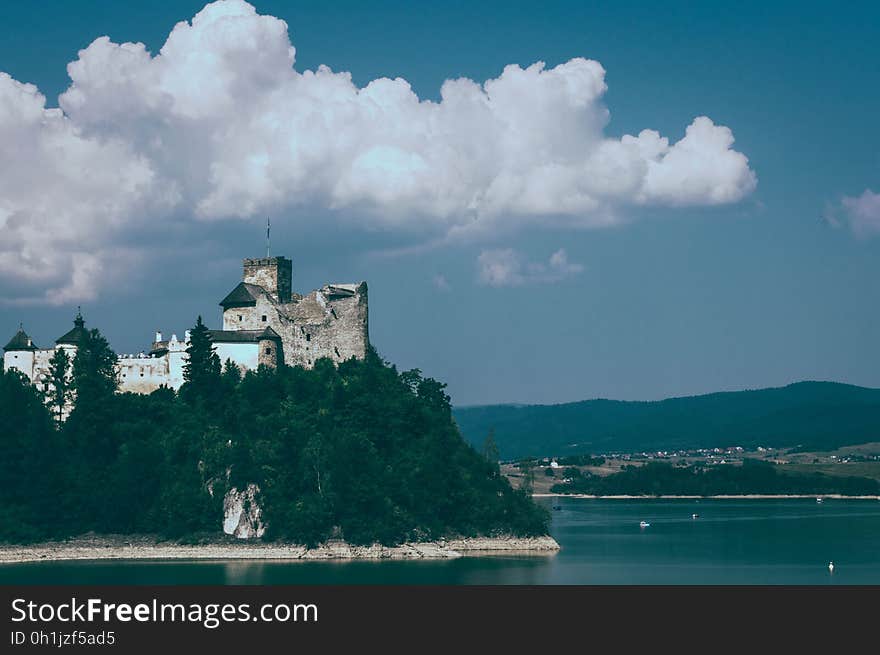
358	451
201	370
810	415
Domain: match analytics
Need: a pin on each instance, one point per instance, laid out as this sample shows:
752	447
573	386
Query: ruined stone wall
321	325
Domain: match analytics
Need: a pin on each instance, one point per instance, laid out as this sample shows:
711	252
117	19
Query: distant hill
815	415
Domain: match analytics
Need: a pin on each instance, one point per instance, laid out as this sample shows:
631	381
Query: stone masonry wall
251	318
318	326
274	274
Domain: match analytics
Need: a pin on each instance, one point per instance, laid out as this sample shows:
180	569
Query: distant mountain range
813	415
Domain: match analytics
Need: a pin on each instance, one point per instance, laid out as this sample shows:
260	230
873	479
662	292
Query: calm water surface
731	542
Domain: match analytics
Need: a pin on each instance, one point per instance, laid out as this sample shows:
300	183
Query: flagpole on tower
268	227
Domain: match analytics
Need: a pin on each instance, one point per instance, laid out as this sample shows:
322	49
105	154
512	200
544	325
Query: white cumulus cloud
64	198
506	267
863	213
219	125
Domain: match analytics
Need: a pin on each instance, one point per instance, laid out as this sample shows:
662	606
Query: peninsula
334	446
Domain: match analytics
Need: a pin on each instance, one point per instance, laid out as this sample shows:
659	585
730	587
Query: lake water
731	542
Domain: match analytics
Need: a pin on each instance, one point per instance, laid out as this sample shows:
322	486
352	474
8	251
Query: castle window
239	317
268	351
264	318
308	337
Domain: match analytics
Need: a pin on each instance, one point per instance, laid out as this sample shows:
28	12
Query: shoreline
712	497
134	548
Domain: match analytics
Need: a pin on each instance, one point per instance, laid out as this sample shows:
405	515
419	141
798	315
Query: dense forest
753	477
808	415
359	451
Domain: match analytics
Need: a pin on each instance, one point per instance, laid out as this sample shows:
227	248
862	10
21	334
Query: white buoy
831	567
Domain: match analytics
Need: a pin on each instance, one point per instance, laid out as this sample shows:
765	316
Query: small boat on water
643	524
819	499
695	516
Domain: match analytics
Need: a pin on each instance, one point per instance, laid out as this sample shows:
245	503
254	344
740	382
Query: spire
78	321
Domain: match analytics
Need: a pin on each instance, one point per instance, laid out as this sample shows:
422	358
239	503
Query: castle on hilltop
264	323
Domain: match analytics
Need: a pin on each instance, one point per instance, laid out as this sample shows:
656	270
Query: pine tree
202	368
490	448
59	375
231	374
94	369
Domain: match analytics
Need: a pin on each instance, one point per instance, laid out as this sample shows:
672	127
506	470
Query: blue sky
653	295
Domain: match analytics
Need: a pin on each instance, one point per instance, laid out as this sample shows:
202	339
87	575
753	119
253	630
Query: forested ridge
805	415
358	451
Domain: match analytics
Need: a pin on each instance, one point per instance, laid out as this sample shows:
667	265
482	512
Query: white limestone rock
242	514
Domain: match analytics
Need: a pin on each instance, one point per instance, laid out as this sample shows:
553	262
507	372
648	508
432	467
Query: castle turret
270	348
18	354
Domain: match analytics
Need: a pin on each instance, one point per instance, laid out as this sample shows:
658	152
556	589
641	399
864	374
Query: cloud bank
220	126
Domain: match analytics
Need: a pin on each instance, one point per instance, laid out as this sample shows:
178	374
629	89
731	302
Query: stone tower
273	274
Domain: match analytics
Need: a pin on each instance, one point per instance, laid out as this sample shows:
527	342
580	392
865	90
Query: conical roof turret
21	341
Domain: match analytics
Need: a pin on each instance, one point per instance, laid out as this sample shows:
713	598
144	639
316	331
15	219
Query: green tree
528	479
357	451
92	430
59	376
94	369
490	448
202	368
30	481
231	374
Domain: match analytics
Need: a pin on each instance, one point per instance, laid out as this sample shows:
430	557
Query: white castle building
264	322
